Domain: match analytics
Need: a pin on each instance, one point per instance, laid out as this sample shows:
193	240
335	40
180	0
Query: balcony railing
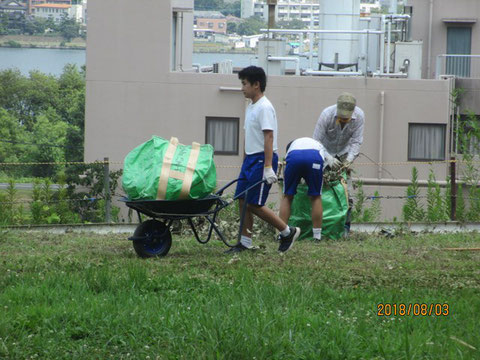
462	66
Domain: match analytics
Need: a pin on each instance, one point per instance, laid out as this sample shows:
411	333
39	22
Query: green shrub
13	44
436	209
412	209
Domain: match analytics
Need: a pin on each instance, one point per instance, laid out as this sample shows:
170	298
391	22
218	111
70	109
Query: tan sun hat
346	105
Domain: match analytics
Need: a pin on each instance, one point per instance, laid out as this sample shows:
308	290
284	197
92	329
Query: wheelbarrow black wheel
152	238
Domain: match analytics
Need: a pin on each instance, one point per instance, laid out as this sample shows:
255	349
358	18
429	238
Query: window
221	25
210	25
426	141
459	42
222	134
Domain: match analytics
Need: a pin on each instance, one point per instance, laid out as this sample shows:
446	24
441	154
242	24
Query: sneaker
236	249
286	242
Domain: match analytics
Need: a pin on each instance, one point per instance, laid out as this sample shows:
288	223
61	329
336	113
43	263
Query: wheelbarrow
153	238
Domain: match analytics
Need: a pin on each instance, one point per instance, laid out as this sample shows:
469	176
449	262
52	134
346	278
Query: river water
52	61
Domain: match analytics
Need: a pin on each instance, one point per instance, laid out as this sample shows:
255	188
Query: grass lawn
90	297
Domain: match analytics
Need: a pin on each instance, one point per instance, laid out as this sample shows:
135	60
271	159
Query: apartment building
286	10
447	27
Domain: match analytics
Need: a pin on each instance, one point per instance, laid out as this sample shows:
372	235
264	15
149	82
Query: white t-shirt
258	117
307	143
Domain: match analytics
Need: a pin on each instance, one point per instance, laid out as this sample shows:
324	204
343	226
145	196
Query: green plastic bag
335	208
166	170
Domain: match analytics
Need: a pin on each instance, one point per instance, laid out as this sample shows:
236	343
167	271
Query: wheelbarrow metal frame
168	211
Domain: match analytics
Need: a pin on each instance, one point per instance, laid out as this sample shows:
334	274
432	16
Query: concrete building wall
463	10
132	95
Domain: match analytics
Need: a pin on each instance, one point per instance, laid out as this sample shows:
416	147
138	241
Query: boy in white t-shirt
260	162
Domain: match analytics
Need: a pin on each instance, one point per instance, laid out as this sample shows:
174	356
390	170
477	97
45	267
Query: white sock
285	232
246	241
317	233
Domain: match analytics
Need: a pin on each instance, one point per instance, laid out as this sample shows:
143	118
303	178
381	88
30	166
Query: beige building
286	10
140	83
447	27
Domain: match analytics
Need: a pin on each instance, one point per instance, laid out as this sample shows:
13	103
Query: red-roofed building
54	11
58	10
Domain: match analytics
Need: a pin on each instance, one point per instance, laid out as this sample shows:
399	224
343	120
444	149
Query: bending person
306	158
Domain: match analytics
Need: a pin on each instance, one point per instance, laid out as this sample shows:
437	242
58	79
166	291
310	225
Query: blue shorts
307	164
251	173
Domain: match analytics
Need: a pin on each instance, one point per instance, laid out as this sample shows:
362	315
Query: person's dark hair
290	143
253	74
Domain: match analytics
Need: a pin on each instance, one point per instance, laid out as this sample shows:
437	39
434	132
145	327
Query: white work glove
269	175
334	163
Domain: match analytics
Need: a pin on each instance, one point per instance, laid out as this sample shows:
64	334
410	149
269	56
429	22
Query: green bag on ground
335	208
166	170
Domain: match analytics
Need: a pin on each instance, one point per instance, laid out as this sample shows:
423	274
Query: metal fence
462	66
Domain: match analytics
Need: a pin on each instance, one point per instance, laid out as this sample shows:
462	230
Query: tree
39	94
13	137
25	98
291	24
231	27
29	27
208	5
35	26
16	23
49	134
50	25
59	105
251	26
72	109
3	23
234	9
68	28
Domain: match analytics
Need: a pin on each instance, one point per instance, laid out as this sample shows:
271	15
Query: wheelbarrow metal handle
220	192
248	189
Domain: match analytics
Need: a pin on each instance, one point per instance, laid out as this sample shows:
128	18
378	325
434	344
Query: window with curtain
426	141
222	134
